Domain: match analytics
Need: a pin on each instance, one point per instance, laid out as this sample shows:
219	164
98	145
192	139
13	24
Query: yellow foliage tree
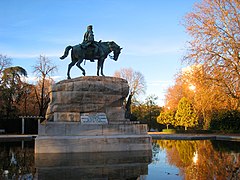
214	26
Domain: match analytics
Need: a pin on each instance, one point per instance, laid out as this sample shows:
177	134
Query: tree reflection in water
202	159
16	160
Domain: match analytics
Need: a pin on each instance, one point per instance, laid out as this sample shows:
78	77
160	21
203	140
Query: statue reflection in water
104	165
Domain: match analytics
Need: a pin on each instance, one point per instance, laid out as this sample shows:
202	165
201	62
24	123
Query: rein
111	49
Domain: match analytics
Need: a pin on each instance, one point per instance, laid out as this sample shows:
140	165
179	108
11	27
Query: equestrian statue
91	50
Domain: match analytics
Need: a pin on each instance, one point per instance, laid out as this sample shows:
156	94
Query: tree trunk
42	96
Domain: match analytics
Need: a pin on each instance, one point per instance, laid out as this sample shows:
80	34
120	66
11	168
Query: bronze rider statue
88	40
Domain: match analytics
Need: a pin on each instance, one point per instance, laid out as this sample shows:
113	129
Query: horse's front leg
98	67
69	68
80	67
101	67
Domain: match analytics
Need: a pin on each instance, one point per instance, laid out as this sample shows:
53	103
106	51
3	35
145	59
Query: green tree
166	117
12	86
185	115
152	111
147	112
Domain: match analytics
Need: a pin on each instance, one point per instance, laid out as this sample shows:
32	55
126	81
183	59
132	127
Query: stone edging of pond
194	137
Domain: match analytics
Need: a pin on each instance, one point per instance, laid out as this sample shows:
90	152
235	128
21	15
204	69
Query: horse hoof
84	73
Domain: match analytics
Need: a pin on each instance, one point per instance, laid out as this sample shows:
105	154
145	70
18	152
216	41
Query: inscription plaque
94	118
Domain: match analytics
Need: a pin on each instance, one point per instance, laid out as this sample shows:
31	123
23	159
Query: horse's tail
66	52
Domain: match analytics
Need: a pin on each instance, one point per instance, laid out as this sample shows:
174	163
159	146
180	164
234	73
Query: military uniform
88	40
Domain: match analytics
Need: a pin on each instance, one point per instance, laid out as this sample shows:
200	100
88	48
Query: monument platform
65	137
86	114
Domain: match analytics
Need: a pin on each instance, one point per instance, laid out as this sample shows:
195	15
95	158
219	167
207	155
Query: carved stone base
88	94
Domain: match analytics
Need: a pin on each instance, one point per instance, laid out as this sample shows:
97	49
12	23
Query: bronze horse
78	54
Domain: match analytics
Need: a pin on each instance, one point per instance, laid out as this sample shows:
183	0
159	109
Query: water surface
169	159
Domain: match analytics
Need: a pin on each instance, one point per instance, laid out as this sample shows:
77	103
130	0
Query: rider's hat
90	26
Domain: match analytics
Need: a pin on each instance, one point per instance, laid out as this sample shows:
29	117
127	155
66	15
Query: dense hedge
226	121
169	130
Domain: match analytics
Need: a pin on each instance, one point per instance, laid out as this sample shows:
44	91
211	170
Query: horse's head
116	50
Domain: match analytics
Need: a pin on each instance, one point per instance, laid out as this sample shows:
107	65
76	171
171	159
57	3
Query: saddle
91	50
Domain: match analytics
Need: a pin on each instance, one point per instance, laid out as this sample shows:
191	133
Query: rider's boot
94	53
92	60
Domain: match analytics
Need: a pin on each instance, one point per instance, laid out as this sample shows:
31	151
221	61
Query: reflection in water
171	159
16	160
109	165
202	159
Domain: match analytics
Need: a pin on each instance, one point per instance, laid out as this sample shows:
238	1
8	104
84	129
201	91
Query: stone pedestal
86	114
88	94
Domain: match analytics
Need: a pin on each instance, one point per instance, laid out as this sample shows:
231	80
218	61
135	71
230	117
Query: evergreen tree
167	118
186	115
11	89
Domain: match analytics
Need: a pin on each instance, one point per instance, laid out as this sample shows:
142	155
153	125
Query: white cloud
33	55
34	79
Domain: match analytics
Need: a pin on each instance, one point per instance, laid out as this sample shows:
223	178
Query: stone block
78	129
88	94
66	117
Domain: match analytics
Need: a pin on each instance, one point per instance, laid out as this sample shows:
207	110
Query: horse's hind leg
100	67
80	67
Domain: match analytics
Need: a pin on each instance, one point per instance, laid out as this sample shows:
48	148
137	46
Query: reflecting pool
198	159
169	159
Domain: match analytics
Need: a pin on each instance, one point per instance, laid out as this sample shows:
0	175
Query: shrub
169	130
228	120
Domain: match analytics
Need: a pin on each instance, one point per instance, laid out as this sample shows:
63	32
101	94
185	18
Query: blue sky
149	31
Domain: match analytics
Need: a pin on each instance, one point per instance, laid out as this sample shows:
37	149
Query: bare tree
4	63
215	29
135	80
43	69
